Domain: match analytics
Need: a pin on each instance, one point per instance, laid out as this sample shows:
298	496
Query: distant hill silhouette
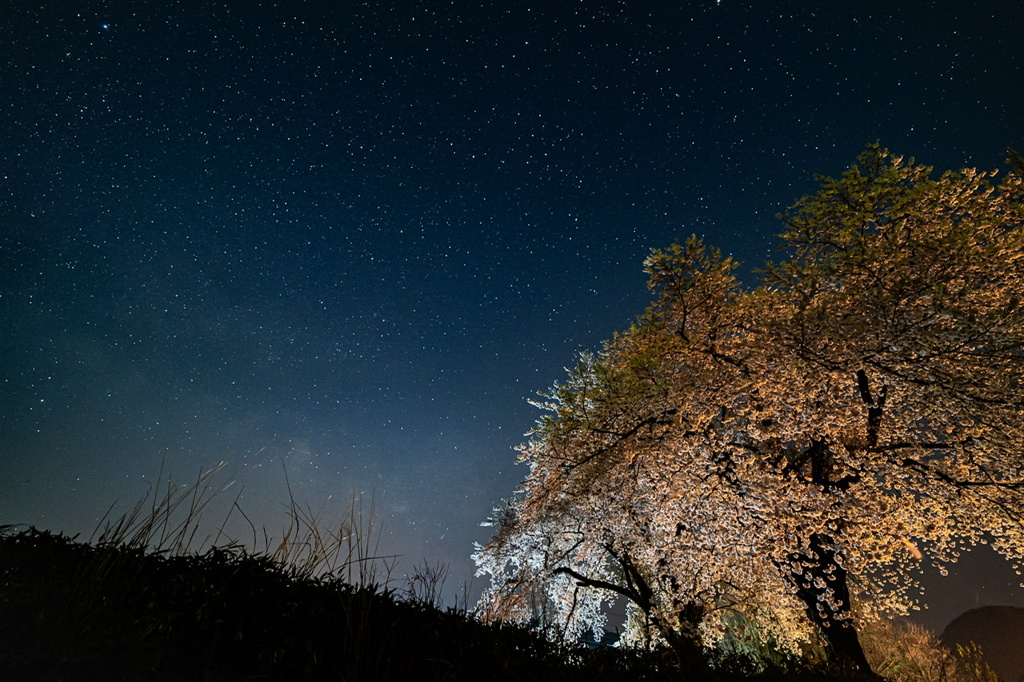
999	631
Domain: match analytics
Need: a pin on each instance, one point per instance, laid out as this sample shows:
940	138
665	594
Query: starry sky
350	240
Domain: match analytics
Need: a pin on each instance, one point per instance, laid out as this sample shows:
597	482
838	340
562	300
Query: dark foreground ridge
75	611
999	630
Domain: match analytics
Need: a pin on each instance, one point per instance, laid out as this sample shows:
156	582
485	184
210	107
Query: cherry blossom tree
787	456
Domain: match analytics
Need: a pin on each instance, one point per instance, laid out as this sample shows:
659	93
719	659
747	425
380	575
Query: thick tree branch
584	581
960	483
874	404
660	419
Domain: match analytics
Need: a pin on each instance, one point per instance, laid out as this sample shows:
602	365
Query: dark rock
999	631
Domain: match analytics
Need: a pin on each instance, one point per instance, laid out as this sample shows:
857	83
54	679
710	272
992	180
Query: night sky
350	240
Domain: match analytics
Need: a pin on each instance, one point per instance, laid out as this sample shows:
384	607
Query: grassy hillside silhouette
75	611
141	603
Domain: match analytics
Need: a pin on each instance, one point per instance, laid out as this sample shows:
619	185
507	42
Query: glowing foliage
787	455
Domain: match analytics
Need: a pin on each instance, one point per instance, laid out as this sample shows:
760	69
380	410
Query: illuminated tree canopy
787	455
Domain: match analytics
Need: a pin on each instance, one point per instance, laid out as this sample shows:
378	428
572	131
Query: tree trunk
822	575
684	640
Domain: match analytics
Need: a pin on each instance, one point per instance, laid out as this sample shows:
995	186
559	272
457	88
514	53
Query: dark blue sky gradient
356	237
